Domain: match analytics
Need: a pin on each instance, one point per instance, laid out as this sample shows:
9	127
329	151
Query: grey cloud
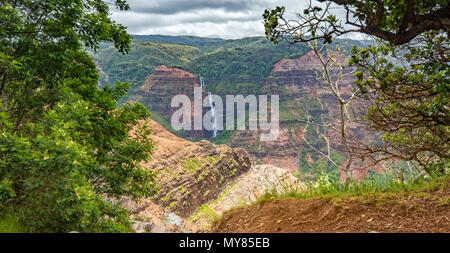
207	18
178	6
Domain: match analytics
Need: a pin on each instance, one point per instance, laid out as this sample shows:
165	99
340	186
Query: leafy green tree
404	81
407	89
65	148
398	22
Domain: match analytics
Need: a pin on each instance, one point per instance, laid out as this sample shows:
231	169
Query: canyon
294	80
202	174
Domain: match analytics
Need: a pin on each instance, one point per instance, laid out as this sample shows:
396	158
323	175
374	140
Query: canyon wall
295	81
158	90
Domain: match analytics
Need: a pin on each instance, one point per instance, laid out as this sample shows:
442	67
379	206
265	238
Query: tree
65	147
409	103
408	91
333	77
398	22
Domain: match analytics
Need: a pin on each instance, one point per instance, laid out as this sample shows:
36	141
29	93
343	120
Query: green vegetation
206	212
65	146
191	164
206	44
319	165
404	80
142	60
375	185
241	66
413	100
10	223
223	137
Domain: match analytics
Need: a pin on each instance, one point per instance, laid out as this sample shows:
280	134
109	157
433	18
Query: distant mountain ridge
179	40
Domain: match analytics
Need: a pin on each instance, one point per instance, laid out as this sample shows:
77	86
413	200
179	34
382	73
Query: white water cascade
213	109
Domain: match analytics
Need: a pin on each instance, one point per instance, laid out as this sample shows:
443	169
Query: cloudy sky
228	19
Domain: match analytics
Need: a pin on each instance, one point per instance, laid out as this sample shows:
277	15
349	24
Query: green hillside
144	56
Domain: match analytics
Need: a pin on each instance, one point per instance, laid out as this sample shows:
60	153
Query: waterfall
213	109
202	83
213	115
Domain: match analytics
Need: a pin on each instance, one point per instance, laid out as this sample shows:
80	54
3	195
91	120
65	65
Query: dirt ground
424	212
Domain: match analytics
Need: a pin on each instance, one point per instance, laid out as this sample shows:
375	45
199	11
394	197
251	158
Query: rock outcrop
245	190
191	175
158	90
188	175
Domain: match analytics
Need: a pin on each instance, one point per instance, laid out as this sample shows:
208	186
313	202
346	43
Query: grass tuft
328	189
10	223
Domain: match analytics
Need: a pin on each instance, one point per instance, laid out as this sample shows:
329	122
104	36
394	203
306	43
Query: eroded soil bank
402	213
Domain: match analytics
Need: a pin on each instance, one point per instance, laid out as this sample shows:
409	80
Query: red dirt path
404	213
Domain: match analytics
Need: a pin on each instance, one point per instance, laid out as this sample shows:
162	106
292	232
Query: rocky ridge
192	176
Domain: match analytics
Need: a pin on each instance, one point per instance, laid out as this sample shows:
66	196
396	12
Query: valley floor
417	212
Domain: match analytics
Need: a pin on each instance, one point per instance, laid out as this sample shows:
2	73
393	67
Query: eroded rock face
246	189
198	181
295	81
188	175
191	174
161	86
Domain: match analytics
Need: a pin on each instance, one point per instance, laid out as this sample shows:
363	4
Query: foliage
407	88
65	147
206	212
319	165
223	136
376	184
241	66
10	223
398	22
206	44
144	57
